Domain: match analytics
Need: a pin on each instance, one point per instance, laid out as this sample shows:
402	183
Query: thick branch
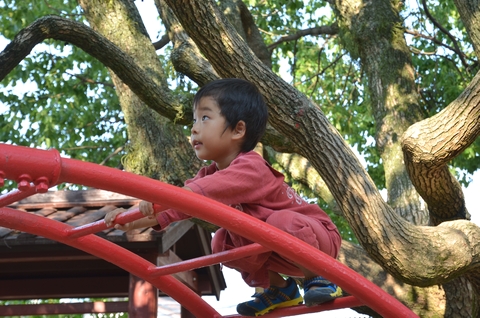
430	144
419	299
54	27
389	239
162	42
242	20
186	57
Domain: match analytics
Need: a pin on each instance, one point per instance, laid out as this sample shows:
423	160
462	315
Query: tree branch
187	59
455	49
398	245
105	51
89	80
162	42
446	32
427	154
322	30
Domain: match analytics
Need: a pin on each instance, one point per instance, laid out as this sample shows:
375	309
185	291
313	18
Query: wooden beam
48	258
173	233
217	282
63	309
64	287
189	278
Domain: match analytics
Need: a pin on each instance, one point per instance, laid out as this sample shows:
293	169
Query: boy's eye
194	121
204	118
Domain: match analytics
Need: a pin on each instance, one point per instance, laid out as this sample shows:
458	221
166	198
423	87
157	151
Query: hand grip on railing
100	225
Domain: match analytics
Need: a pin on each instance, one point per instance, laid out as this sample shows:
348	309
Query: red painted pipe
212	259
16	195
94	245
106	178
24	165
339	303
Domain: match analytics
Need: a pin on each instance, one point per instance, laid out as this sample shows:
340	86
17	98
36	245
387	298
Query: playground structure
35	171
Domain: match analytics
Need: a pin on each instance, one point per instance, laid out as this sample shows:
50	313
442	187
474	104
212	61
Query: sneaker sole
290	303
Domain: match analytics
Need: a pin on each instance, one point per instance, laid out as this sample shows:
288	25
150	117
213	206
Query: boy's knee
282	220
294	224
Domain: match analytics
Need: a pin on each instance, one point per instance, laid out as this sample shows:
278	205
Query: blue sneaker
324	291
273	297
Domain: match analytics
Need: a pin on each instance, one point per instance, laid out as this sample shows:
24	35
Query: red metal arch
36	170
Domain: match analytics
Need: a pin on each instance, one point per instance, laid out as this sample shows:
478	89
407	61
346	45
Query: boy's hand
110	218
147	209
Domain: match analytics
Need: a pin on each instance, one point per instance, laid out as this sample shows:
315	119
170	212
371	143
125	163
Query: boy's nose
194	129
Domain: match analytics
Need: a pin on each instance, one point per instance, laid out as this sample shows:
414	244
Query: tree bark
375	32
157	148
468	10
428	153
408	252
424	301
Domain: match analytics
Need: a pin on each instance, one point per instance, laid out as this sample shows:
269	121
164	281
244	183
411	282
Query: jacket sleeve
169	216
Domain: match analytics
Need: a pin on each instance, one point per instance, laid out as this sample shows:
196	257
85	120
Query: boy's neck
226	162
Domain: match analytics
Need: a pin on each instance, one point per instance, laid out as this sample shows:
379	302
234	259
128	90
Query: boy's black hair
238	100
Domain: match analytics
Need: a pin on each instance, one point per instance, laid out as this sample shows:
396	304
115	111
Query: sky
237	291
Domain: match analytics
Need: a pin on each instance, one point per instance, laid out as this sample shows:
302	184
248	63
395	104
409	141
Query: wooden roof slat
4	231
90	216
45	211
31	257
86	198
61	216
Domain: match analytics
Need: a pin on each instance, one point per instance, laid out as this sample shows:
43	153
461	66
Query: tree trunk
376	35
410	253
157	148
468	10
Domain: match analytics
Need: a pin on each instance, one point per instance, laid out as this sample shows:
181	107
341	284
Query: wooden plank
189	278
47	258
173	233
46	211
217	281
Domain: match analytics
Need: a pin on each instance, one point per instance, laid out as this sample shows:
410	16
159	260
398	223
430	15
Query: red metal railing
36	170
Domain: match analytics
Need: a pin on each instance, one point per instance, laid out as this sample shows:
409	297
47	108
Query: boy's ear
240	130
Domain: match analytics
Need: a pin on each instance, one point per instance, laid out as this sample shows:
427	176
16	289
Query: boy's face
210	137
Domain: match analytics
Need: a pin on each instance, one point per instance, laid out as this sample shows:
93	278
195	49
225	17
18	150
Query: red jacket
251	185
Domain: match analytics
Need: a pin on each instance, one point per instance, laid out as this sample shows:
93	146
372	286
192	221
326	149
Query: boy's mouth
196	143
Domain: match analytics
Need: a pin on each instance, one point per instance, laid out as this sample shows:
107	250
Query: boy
230	117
